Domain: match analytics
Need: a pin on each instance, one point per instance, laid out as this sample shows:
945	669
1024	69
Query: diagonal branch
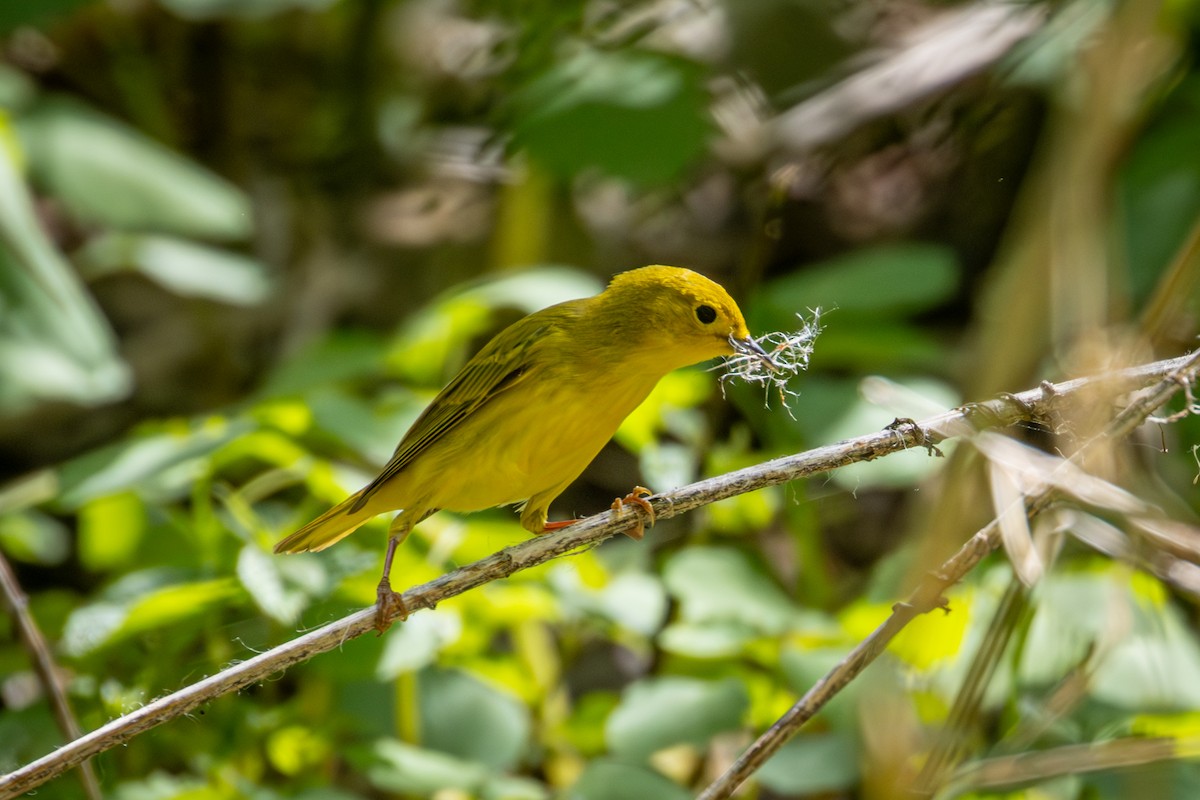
43	663
1033	404
928	594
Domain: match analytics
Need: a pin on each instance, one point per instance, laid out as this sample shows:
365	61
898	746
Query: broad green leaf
107	173
342	356
711	639
183	267
54	342
403	768
141	603
110	529
34	537
812	764
719	584
655	713
280	586
159	464
612	780
893	280
469	719
16	88
639	116
416	644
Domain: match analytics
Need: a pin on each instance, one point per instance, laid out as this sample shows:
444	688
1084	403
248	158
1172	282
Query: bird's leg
637	497
388	604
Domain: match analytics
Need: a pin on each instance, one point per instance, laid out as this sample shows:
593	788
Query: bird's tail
327	529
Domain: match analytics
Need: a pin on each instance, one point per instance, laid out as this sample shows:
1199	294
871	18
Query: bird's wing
504	362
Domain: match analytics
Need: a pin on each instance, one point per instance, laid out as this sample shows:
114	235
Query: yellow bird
530	411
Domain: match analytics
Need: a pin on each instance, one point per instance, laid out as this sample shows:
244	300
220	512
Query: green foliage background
243	243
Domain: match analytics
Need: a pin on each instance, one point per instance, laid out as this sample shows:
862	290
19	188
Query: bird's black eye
706	313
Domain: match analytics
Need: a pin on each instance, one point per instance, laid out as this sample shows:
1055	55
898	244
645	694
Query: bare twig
1027	768
1034	404
928	594
43	662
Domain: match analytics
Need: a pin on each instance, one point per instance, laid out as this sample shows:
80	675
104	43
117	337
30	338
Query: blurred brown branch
17	604
1034	404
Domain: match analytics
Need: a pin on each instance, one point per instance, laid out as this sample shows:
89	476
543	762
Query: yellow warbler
527	414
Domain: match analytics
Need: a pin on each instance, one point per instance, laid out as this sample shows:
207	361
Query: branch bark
1030	405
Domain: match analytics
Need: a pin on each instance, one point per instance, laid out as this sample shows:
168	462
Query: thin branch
1023	769
43	663
1034	404
929	593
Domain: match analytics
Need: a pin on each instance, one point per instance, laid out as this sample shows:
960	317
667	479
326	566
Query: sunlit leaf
659	712
165	463
639	116
719	584
812	764
892	280
54	343
466	718
185	268
110	529
613	780
417	642
108	173
34	537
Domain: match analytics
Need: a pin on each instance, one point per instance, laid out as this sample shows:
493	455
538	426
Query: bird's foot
389	605
638	498
557	525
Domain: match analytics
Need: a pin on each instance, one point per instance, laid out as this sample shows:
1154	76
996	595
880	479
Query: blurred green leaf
812	764
887	281
720	584
183	267
466	718
612	780
54	343
34	537
280	586
16	88
161	464
342	356
403	768
1160	187
108	173
635	115
417	642
113	619
655	713
110	529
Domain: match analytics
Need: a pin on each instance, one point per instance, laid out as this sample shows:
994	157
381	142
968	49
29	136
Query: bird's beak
749	347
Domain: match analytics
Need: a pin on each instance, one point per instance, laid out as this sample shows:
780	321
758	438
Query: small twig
1027	768
43	663
588	532
928	594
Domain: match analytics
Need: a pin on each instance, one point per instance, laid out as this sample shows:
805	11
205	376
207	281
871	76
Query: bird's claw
389	605
637	497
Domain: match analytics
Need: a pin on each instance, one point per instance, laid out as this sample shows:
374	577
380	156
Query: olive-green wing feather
503	363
